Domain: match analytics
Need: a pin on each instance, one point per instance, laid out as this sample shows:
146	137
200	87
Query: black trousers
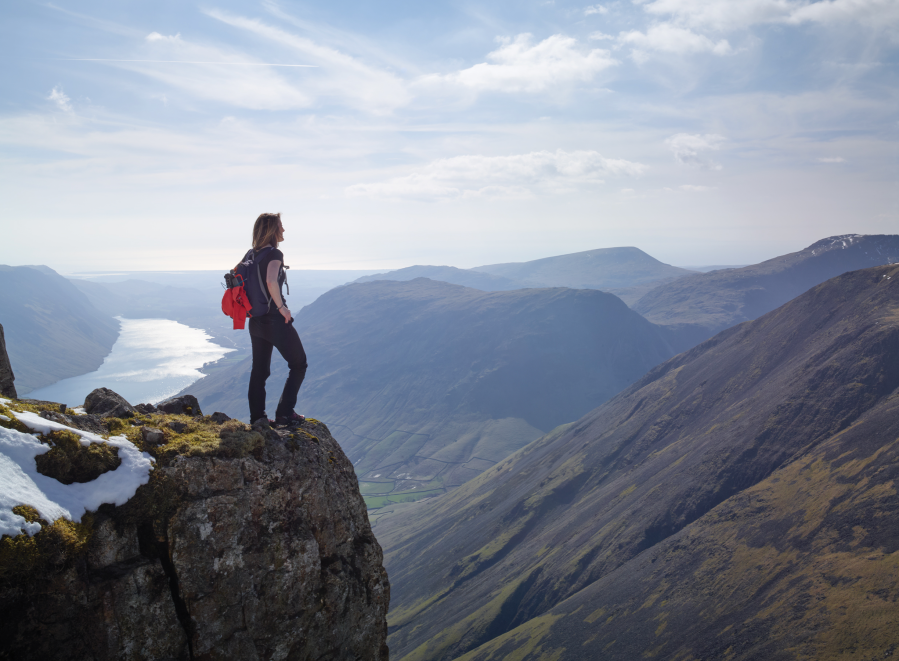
266	333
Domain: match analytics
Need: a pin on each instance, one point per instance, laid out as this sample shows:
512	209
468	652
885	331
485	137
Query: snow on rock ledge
21	484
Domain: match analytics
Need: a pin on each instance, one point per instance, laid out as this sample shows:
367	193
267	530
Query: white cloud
600	36
688	149
341	77
516	176
61	99
690	188
832	159
519	65
668	38
870	12
595	9
155	36
740	14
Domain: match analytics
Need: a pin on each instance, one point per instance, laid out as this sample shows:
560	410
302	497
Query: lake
152	360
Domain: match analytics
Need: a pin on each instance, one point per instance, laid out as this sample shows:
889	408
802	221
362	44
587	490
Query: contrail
243	64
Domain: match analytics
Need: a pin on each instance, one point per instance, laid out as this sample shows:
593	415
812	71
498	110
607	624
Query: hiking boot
288	420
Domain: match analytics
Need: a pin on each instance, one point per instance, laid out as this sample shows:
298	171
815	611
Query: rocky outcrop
107	404
183	405
259	548
7	387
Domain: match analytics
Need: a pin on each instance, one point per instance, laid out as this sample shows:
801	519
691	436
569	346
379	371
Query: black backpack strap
268	297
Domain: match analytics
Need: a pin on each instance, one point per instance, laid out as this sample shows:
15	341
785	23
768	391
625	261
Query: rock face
264	556
7	387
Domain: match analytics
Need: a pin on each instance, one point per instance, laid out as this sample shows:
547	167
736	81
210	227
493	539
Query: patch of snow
21	484
4	418
79	410
5	401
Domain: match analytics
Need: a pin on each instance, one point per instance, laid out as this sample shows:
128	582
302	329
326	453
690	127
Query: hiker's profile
255	290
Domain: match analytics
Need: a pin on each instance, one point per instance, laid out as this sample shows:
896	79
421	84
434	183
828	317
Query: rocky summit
244	544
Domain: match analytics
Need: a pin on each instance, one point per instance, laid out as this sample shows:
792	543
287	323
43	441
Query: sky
149	136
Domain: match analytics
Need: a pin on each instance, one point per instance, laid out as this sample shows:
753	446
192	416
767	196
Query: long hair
265	231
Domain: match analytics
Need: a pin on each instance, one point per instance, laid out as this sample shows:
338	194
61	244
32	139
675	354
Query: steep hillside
427	384
701	305
464	277
52	330
605	268
803	565
582	512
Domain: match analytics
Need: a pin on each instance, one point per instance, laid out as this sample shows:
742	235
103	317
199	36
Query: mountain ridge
601	268
573	507
700	305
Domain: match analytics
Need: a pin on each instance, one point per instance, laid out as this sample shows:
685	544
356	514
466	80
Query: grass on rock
25	560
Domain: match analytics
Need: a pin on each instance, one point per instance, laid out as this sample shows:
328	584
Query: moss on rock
69	461
55	547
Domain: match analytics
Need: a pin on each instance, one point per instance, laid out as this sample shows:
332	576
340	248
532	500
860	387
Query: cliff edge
240	545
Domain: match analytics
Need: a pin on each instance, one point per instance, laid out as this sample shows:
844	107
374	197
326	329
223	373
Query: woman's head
268	230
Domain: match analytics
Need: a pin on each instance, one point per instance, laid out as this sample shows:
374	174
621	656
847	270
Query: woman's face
280	231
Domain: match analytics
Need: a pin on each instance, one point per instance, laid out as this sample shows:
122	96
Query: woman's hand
285	313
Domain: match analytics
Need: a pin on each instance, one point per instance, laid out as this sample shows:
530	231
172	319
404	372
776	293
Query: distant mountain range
627	272
736	502
604	268
52	330
700	305
426	384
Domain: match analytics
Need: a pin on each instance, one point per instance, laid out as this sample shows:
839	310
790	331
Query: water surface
152	359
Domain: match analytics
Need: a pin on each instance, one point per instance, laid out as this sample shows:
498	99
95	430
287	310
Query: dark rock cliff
241	546
7	387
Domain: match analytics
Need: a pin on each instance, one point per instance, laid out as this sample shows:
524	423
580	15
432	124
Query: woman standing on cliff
274	330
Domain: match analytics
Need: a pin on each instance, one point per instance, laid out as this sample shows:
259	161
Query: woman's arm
271	280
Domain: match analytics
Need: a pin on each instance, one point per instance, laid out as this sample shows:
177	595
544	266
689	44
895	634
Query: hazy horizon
149	136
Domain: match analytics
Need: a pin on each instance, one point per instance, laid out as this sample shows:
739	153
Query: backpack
245	292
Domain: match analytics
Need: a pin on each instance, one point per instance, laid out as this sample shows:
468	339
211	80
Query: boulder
152	436
7	387
177	426
218	417
108	404
183	405
145	409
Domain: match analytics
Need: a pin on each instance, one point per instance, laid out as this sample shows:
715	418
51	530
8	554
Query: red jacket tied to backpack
246	294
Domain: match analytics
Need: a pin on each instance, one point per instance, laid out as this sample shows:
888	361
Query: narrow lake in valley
152	359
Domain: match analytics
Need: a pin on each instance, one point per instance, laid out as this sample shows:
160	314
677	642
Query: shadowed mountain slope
803	565
596	500
427	384
605	268
52	330
700	305
464	277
